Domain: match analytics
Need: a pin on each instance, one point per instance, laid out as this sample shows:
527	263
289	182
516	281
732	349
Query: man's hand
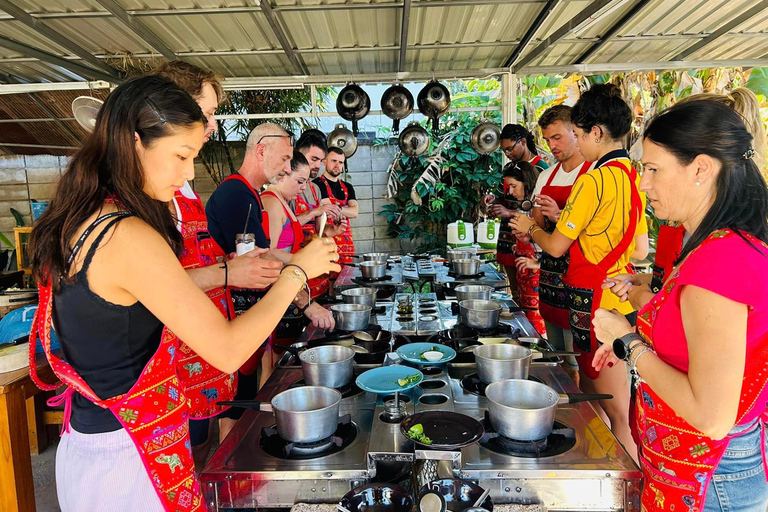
252	271
332	230
333	211
549	207
320	317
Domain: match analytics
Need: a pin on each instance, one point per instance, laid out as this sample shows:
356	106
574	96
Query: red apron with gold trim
154	412
344	241
669	245
584	279
553	298
528	285
678	461
205	384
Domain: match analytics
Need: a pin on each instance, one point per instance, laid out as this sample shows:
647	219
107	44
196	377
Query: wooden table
17	401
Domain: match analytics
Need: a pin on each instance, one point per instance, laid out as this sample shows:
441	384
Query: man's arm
351	211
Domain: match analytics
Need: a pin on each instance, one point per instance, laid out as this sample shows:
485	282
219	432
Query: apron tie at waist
66	399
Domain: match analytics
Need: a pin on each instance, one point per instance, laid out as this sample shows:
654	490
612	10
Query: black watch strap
621	345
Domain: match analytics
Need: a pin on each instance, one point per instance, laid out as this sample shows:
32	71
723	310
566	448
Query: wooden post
17	490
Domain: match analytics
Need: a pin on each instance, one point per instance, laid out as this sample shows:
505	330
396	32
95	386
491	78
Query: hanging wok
343	139
353	104
485	138
397	104
434	101
414	140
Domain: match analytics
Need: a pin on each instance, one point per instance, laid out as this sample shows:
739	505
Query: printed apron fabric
552	294
584	279
204	384
154	412
678	461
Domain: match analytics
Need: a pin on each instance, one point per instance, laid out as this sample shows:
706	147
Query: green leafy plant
454	192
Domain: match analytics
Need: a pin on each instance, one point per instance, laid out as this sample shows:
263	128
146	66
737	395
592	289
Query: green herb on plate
409	380
416	433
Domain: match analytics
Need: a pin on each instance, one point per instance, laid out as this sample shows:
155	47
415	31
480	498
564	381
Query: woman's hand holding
318	257
621	285
488	199
604	357
522	263
521	223
501	212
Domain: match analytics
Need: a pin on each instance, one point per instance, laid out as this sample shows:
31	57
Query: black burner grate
375	279
559	441
347	391
276	446
454	275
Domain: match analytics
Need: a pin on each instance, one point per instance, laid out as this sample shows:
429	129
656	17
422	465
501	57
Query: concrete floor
43	470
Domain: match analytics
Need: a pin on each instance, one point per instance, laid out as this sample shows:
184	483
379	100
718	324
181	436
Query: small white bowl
433	355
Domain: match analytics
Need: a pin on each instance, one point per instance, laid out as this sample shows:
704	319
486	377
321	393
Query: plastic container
38	207
488	234
461	234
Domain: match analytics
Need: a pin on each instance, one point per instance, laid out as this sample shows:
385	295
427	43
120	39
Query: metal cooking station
580	466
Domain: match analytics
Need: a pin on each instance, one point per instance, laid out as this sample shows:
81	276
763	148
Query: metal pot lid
485	138
414	140
343	139
434	99
397	102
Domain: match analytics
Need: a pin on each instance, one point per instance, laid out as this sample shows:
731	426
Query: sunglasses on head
289	136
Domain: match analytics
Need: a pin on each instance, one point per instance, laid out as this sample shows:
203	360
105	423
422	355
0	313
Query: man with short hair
312	145
552	190
341	193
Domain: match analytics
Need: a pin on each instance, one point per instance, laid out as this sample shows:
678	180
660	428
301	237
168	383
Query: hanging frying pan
434	101
353	104
397	104
414	140
485	138
343	139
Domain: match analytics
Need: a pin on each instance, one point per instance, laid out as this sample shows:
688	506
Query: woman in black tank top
107	246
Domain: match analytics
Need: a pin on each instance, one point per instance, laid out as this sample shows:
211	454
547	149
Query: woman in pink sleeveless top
700	356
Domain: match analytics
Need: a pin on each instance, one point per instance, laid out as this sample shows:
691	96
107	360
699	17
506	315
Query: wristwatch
621	345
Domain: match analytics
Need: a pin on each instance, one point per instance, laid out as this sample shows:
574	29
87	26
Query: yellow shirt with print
597	216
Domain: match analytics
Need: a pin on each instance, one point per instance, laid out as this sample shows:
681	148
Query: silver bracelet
633	361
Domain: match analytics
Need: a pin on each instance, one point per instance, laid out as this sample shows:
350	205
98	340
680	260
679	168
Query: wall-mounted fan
85	109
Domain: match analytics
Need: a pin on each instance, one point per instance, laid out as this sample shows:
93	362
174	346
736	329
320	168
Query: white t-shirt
561	179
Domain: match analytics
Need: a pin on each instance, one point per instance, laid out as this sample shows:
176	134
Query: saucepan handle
574	398
248	404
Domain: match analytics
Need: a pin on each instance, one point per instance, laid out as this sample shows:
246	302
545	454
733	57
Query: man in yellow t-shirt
597	215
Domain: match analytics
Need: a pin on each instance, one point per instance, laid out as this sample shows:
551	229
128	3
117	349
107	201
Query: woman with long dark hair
519	145
700	360
105	256
519	182
601	227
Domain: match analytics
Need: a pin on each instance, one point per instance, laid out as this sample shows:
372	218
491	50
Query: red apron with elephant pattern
669	245
154	412
205	385
344	241
677	460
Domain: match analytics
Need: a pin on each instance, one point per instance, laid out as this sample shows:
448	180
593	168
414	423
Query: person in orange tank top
700	356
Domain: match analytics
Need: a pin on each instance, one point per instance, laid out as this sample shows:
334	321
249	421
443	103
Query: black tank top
107	344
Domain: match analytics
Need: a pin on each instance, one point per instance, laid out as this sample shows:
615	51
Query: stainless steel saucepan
502	361
473	291
303	415
479	314
524	410
331	366
373	269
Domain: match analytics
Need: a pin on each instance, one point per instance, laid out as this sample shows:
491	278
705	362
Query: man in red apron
156	400
552	190
341	194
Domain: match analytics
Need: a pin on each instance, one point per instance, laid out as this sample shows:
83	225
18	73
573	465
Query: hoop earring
597	141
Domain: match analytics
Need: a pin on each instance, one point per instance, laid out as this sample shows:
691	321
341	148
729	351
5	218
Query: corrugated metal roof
352	37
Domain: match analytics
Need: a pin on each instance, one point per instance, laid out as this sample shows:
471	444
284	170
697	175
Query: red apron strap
552	176
298	233
264	214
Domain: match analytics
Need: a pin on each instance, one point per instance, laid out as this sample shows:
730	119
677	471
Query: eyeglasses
289	136
512	147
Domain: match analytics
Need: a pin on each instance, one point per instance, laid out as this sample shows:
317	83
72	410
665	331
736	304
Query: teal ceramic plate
412	352
383	380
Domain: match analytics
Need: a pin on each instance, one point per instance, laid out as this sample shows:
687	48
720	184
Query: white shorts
103	472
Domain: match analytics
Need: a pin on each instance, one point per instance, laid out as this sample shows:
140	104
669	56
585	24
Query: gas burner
276	446
375	279
348	391
498	331
472	384
379	310
454	275
336	335
559	441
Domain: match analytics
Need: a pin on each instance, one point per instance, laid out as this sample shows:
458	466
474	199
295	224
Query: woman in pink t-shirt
700	357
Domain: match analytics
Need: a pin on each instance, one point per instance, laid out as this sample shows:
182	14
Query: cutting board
14	357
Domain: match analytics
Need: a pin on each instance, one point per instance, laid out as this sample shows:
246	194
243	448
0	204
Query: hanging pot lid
434	101
353	104
485	138
397	104
343	139
414	140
